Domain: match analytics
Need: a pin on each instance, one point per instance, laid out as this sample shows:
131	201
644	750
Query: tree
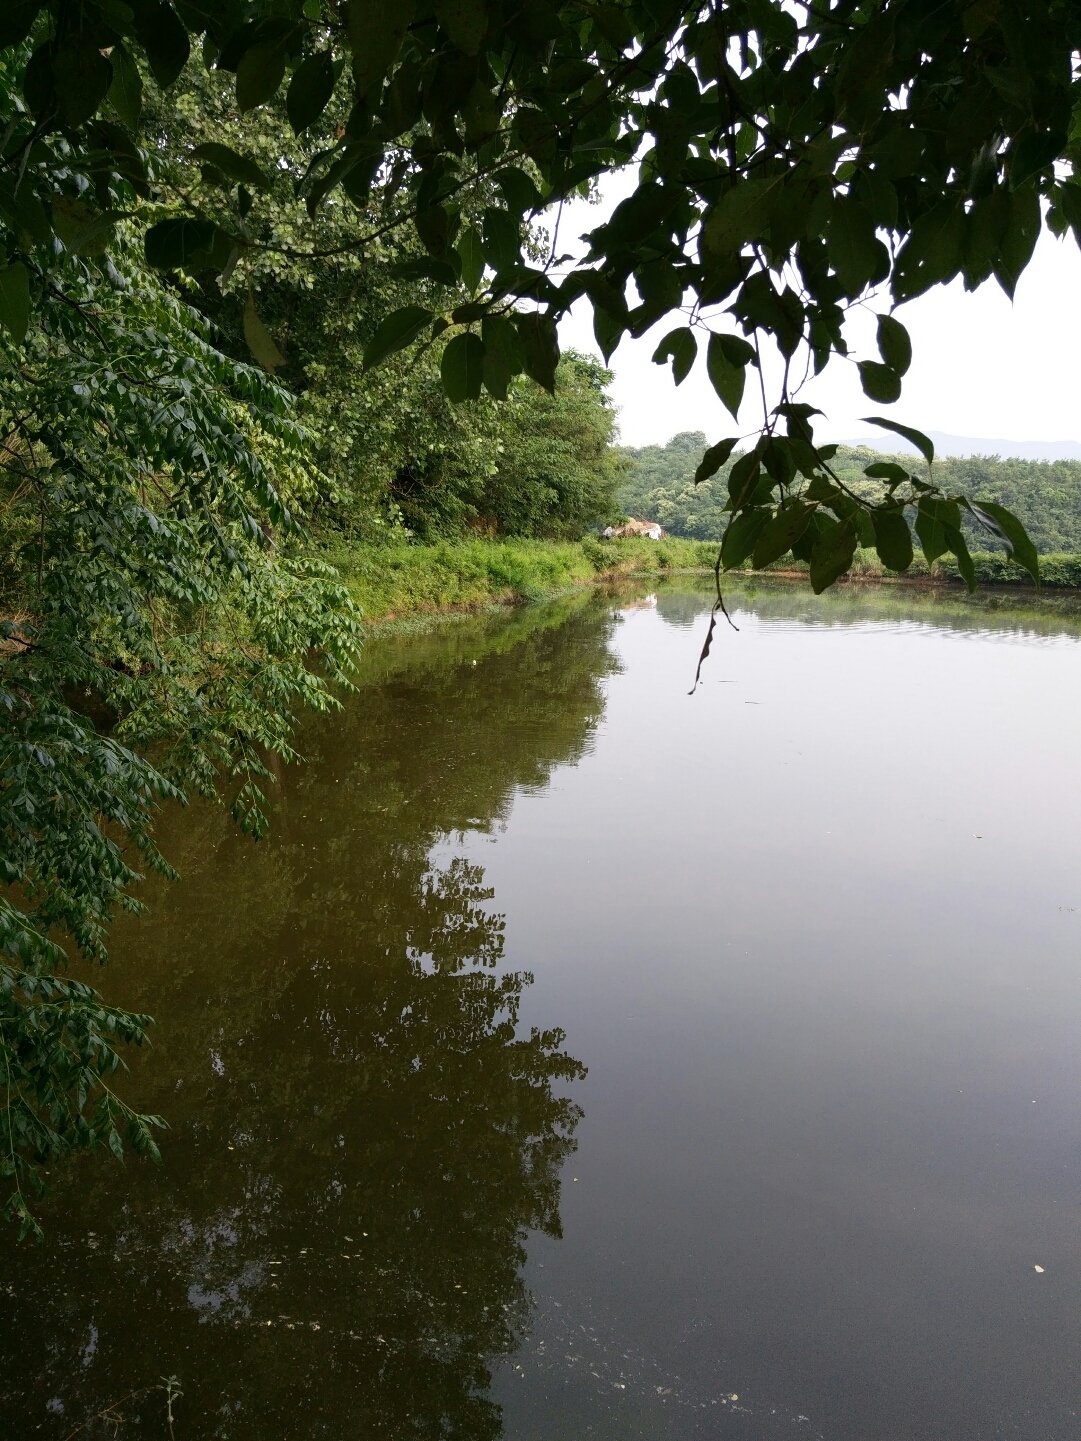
393	450
554	469
155	635
659	481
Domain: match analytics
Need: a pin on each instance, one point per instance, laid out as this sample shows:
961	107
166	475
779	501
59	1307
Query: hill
658	483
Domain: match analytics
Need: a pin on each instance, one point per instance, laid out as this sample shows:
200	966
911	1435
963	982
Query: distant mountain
962	445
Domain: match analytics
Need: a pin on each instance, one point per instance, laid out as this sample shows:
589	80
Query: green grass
393	581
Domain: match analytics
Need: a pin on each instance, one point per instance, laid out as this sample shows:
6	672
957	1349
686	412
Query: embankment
392	581
402	580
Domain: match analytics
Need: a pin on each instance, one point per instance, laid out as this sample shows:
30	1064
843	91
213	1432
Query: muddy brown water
578	1058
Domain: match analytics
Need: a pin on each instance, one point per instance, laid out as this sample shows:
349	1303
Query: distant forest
658	484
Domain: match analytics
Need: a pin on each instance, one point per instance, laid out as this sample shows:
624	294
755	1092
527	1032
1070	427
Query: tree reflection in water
363	1133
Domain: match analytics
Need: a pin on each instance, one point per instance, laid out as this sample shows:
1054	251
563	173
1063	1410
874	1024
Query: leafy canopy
154	637
789	160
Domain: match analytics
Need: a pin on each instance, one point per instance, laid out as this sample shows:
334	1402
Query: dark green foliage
790	161
1044	494
404	439
155	635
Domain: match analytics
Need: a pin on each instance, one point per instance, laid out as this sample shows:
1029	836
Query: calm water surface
583	1059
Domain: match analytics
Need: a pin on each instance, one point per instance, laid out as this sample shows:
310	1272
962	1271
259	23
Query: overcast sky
981	366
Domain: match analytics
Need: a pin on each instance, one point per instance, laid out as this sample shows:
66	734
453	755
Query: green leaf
1035	151
470	311
83	229
779	457
163	36
465	22
427	267
728	378
236	167
832	553
310	89
471	253
714	458
893	538
959	547
934	250
1019	238
39	86
743	478
25	213
433	226
258	76
16	22
886	470
984	171
375	31
502	354
82	77
519	191
15	300
502	238
1004	524
880	382
934	518
260	341
916	437
395	332
741	214
462	367
608	329
857	255
540	348
114	146
682	346
738	351
782	533
482	114
894	345
740	535
126	90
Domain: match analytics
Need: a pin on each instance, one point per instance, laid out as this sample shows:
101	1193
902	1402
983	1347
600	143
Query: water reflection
833	1065
363	1133
786	603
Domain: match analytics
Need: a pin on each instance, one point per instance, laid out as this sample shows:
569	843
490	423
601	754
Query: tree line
659	482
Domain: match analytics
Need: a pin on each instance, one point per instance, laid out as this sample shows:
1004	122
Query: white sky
981	366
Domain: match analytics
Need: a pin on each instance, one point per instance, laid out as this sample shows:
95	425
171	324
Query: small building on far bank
643	529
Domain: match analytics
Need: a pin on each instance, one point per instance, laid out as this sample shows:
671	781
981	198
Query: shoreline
395	585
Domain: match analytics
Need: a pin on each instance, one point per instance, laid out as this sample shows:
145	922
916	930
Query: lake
582	1058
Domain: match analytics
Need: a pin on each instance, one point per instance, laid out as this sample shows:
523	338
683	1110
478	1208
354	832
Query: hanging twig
718	605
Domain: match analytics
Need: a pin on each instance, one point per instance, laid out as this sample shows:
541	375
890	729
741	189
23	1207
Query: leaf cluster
155	636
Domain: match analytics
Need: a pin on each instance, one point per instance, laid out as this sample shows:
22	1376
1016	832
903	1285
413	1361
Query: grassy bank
389	581
410	580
